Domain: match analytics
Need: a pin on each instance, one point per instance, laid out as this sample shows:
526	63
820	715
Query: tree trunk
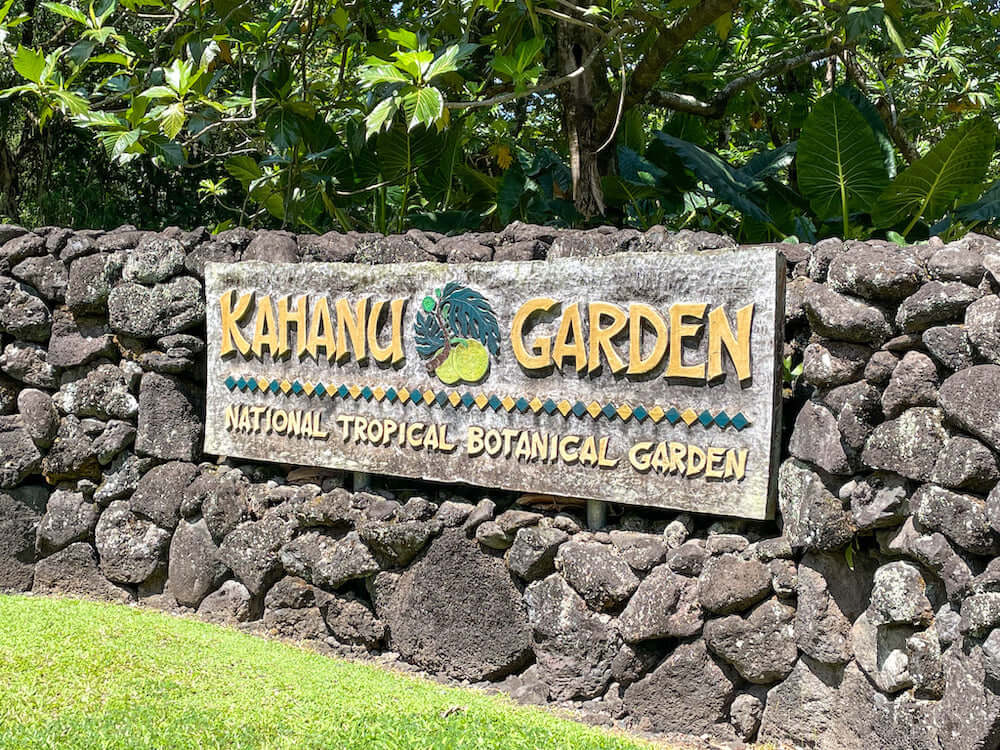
574	45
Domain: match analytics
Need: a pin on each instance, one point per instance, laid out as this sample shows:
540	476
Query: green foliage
381	116
840	167
930	186
122	678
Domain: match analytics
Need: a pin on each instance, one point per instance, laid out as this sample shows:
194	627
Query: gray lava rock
971	399
745	715
935	302
597	572
980	613
166	308
301	624
574	647
908	445
689	558
195	564
899	596
327	561
19	457
170	426
834	363
73	572
982	324
968	715
923	654
456	611
812	516
761	647
874	272
731	584
41	420
229	604
223	500
29	364
121	477
836	316
352	622
117	436
156	259
914	382
15	249
90	281
252	550
72	455
46	274
955	262
489	534
23	314
76	342
966	464
640	550
960	517
395	544
879	500
273	247
831	596
131	548
102	393
532	556
20	513
159	494
68	518
665	605
700	691
816	439
950	346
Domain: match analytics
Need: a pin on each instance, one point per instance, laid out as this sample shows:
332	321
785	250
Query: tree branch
541	87
663	49
716	106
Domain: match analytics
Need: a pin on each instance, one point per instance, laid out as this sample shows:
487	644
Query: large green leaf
728	184
929	187
987	208
872	117
840	166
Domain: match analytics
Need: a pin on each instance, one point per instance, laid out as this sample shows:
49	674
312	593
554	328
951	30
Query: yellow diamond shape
564	406
331	390
507	402
689	415
286	386
624	412
307	388
593	409
656	414
379	393
428	397
454	398
481	401
263	383
535	404
354	391
403	395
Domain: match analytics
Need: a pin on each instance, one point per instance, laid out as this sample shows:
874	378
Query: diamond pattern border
427	397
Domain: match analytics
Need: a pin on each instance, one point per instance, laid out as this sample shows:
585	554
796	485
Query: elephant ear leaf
840	165
929	187
729	185
986	209
470	315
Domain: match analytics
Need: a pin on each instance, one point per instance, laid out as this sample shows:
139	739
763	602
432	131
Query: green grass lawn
85	675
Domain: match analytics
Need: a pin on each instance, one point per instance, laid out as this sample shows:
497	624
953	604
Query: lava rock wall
867	615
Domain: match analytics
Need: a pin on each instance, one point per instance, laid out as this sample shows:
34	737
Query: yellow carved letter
232	338
539	357
638	314
738	345
264	332
570	327
353	326
600	338
680	331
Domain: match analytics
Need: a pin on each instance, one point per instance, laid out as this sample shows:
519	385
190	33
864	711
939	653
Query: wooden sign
648	379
